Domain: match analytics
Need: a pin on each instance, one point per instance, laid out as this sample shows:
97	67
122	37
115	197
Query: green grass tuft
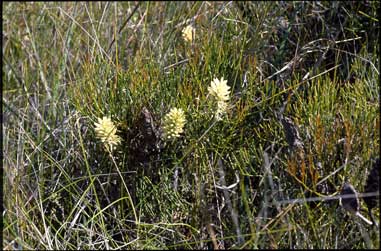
218	185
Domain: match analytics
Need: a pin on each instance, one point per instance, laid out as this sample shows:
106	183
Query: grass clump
92	92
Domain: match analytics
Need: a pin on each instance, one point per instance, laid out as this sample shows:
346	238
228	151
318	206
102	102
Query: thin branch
233	212
124	25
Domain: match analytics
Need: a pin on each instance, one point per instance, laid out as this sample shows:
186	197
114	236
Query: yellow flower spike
173	123
188	33
106	132
220	91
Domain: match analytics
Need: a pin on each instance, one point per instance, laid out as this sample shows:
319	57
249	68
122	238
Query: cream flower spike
106	132
173	124
188	33
220	91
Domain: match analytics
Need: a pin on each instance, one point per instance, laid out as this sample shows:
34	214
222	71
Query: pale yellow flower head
173	124
220	91
106	132
188	33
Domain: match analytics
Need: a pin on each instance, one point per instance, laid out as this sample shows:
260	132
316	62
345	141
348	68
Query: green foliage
219	185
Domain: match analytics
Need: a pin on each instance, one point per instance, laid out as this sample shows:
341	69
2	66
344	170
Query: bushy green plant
93	90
